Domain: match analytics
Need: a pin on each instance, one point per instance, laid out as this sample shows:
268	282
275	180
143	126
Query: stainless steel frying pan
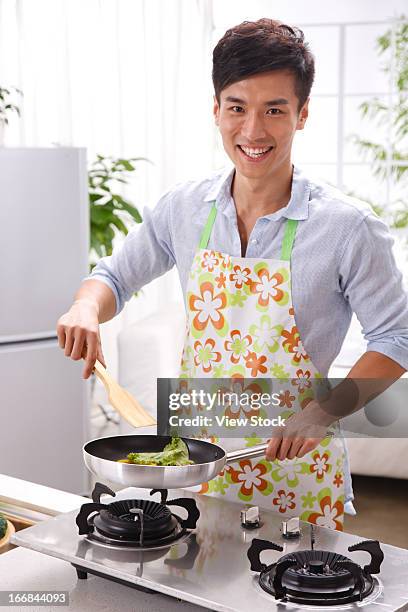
101	458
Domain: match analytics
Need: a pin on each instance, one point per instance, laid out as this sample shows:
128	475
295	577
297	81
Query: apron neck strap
288	237
205	236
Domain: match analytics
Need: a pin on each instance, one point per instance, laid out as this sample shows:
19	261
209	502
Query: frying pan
101	458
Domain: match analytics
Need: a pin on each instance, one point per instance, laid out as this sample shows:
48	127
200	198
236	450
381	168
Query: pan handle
246	453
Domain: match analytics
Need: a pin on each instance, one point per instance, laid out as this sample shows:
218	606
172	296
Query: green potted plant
110	212
3	526
390	159
7	107
6	531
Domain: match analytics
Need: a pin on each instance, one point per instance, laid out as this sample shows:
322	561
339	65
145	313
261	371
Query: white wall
300	12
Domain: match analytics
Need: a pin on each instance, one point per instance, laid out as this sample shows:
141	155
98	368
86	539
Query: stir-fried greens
174	453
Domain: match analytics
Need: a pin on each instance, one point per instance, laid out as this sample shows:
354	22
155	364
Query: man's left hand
302	432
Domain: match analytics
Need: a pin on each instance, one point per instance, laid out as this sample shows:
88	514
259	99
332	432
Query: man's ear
303	115
216	111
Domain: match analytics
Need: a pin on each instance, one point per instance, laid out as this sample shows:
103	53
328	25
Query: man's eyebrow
275	102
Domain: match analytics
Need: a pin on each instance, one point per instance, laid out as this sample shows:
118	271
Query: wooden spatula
122	400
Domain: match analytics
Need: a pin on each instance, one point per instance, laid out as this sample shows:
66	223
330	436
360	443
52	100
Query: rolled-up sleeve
372	285
145	254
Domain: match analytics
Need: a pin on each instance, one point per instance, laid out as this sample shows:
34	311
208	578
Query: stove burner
119	521
317	577
96	536
135	523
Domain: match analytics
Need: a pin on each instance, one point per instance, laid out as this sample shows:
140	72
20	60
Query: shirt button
254	241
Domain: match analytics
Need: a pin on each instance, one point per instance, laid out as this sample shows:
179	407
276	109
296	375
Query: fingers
92	352
91	348
69	342
78	345
78	336
61	335
288	448
284	449
295	448
100	356
280	444
273	447
76	341
300	435
307	446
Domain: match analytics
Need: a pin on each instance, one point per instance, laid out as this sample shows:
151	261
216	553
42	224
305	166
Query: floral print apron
241	324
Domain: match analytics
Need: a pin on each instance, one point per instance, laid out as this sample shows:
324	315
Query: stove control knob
291	528
250	518
316	566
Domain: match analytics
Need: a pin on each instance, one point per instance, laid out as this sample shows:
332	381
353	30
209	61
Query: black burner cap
118	520
152	511
316	566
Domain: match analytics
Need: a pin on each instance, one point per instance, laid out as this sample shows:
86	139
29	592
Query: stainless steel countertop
24	570
220	578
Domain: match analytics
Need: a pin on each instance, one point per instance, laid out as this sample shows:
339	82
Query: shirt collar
297	208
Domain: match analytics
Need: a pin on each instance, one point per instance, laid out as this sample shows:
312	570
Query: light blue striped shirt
342	260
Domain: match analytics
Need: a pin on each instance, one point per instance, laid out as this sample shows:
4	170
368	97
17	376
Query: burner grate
135	523
98	536
318	577
315	577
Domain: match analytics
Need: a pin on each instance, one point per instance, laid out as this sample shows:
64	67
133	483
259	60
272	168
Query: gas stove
222	555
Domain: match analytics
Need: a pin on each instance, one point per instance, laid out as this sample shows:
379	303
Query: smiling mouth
255	154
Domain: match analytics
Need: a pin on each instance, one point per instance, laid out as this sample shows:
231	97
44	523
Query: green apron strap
288	239
205	236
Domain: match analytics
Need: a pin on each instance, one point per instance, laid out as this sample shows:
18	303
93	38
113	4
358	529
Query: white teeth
255	152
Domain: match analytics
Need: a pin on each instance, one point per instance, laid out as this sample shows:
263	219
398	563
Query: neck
262	196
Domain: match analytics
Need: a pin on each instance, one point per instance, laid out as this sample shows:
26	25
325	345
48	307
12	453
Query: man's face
258	118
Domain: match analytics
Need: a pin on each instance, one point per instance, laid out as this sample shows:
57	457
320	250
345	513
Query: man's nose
253	127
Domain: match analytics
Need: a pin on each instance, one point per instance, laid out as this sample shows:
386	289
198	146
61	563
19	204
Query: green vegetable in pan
174	453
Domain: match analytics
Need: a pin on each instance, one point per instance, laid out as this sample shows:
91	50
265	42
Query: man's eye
275	111
236	109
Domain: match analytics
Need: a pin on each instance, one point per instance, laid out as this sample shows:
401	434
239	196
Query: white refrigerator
44	402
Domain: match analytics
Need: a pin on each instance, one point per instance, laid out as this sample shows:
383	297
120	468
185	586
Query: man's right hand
78	334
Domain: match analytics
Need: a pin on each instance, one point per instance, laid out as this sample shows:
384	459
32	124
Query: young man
272	266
